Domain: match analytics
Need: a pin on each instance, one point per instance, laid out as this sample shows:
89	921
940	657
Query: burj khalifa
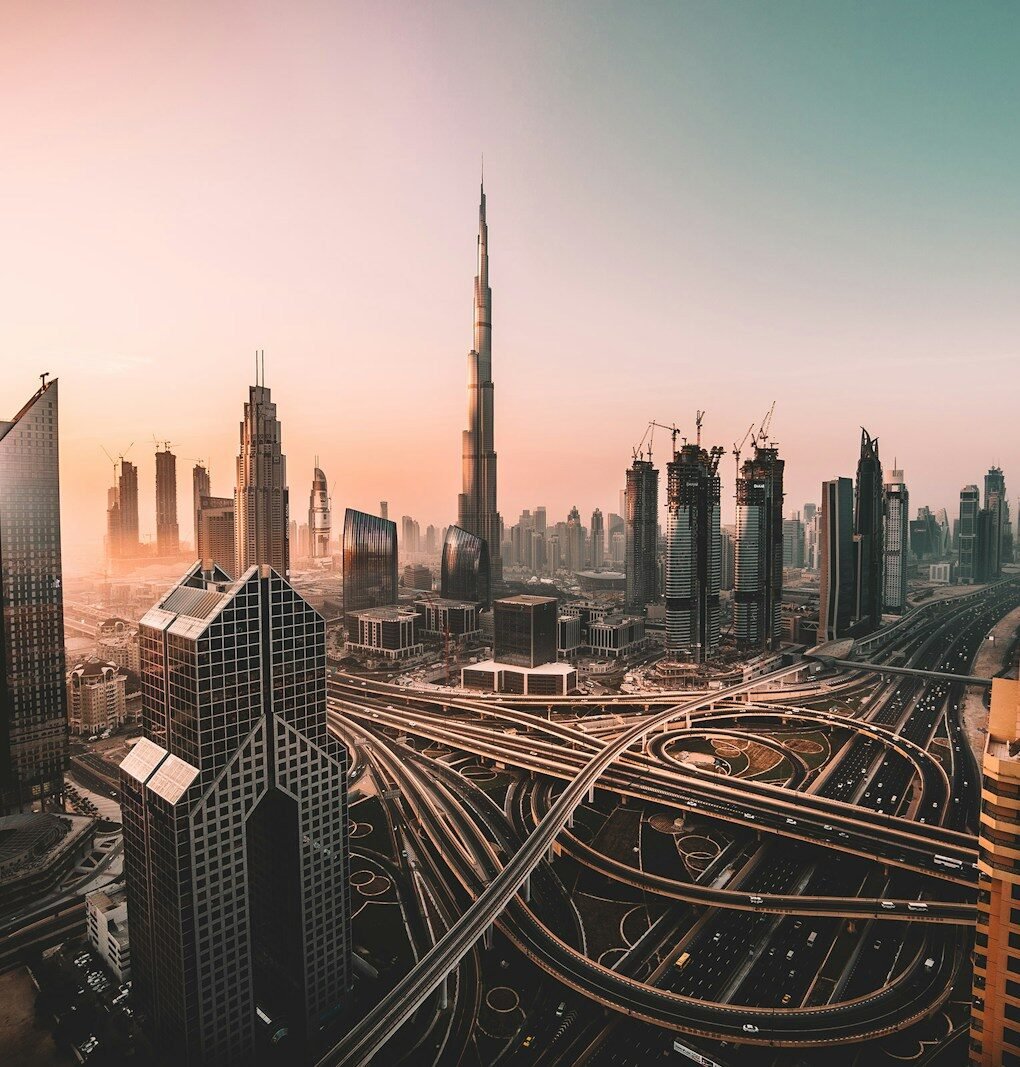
476	505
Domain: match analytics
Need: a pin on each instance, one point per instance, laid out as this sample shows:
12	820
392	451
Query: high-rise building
598	540
727	558
33	711
431	540
384	509
693	552
320	525
897	543
201	485
216	533
868	530
235	823
122	514
410	535
811	536
465	573
575	542
261	499
618	549
997	506
641	518
969	546
96	697
476	507
793	542
369	562
995	1008
758	573
168	539
525	630
836	551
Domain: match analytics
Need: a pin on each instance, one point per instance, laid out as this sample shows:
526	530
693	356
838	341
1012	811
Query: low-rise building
616	635
96	697
440	616
940	573
546	679
117	642
389	632
107	927
568	636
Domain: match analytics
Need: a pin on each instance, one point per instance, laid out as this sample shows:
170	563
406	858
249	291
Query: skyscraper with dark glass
997	506
693	552
641	531
261	499
465	571
476	506
868	537
167	532
235	824
969	545
758	563
369	562
837	562
897	543
33	701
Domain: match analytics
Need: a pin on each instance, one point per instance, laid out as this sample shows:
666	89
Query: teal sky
692	205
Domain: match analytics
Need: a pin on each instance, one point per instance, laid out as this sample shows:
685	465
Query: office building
201	485
836	551
417	576
897	543
618	550
447	618
525	630
107	928
168	538
793	542
33	696
465	571
476	506
970	547
261	498
995	1007
235	824
369	562
997	506
641	530
758	570
568	636
598	540
868	537
216	530
388	632
320	523
96	697
693	564
616	635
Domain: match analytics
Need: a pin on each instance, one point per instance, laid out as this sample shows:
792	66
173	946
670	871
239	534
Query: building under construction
641	533
758	564
693	550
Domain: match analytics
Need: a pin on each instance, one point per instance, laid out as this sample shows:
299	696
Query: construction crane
737	449
638	449
119	459
673	430
763	432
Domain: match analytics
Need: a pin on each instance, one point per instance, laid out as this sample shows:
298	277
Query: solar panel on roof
172	779
143	759
195	603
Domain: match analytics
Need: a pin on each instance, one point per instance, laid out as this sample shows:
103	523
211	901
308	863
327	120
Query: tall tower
868	531
320	526
235	823
998	521
836	561
476	505
641	532
33	717
897	543
598	540
168	540
200	486
262	507
969	547
575	542
758	564
126	532
693	552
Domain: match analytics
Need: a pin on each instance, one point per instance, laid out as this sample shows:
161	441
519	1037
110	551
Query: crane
673	429
737	449
119	459
763	432
165	444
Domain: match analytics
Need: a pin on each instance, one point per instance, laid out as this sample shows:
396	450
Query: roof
172	779
195	603
143	759
526	599
385	614
542	668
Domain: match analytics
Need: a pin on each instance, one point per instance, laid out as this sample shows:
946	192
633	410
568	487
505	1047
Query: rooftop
526	599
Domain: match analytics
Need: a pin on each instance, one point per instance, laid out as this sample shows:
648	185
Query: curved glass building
466	573
370	562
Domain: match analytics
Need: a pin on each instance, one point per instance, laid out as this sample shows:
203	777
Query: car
791	822
789	954
749	1028
756	899
526	1043
560	1010
877	945
717	937
887	904
785	999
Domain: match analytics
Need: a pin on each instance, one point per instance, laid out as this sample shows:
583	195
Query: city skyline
648	230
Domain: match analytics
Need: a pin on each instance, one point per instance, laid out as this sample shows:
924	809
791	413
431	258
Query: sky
691	206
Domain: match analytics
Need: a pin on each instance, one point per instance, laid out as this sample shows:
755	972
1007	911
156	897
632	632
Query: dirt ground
988	662
22	1039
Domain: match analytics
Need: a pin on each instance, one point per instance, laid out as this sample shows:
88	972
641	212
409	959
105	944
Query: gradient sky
691	205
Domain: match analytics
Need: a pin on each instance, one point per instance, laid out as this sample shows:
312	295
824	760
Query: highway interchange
882	836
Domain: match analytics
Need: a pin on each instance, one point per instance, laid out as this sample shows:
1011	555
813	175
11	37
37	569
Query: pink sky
679	219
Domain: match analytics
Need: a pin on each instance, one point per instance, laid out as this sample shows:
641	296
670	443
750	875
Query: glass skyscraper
370	562
836	559
641	528
33	696
465	570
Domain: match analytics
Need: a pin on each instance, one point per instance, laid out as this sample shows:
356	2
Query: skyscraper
897	543
693	552
201	486
868	536
998	521
465	573
168	539
836	561
216	533
598	540
641	530
122	514
971	567
369	562
235	823
262	507
476	506
320	525
33	708
793	542
758	571
575	542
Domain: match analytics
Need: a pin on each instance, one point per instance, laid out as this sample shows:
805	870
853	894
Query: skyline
775	234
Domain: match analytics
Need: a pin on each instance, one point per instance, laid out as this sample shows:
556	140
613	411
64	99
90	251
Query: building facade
525	630
33	696
897	543
641	533
598	540
107	928
216	529
168	537
369	562
201	485
96	697
320	523
235	824
868	537
970	546
465	573
836	589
